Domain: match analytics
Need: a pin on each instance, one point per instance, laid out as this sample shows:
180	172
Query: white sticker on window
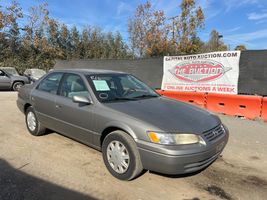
101	85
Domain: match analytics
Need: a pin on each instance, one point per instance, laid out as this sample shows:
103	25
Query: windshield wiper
130	99
122	98
145	96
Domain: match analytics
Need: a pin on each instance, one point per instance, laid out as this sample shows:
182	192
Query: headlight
175	139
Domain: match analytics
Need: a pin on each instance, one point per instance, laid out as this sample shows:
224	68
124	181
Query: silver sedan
135	128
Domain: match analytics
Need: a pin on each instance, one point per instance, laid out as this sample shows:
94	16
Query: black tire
134	164
39	129
17	85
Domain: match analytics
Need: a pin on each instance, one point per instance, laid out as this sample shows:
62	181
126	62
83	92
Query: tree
42	39
119	48
215	43
9	34
1	18
150	34
241	47
189	22
147	31
9	15
38	18
75	42
53	32
157	36
97	43
137	28
53	39
35	47
85	43
65	41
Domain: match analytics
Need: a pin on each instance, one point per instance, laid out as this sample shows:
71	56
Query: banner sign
215	72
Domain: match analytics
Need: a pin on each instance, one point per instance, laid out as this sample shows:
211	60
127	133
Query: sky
238	21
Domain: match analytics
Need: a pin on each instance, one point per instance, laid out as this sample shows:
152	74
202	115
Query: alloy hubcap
31	121
118	157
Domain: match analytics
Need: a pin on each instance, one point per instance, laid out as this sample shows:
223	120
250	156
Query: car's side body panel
76	120
44	105
5	81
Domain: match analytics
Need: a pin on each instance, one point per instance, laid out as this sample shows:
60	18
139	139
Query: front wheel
32	123
121	156
17	85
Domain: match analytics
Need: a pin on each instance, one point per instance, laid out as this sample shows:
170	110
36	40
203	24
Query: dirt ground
55	167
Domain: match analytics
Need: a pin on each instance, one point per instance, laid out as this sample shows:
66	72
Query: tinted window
2	73
73	85
50	83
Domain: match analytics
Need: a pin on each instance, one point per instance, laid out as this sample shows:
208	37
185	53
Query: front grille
214	133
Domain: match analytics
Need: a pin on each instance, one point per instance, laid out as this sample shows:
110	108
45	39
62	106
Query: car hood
168	115
21	78
37	76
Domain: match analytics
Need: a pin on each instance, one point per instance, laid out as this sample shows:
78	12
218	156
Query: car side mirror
82	100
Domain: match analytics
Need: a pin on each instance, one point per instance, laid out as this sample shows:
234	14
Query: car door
76	120
5	81
43	99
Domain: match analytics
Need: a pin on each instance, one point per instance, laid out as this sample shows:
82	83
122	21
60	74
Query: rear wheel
17	85
121	156
32	123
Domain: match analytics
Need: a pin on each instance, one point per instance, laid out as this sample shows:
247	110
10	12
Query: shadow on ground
15	184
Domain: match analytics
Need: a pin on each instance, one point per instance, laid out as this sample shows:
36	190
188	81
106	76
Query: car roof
89	71
7	68
34	69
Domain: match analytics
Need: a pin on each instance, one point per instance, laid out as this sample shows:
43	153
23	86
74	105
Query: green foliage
190	21
215	43
152	35
241	47
42	40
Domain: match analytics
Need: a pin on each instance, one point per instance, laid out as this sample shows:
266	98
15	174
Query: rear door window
50	83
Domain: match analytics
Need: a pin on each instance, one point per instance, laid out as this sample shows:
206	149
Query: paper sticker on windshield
101	85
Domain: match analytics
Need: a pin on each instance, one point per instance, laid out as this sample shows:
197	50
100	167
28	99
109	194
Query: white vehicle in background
34	74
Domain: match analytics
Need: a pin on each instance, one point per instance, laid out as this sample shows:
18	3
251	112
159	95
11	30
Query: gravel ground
55	167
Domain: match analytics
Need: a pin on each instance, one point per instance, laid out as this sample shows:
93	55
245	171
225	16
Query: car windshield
11	71
119	87
38	72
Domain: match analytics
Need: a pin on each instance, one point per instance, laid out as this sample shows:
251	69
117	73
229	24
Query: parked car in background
10	79
34	74
133	126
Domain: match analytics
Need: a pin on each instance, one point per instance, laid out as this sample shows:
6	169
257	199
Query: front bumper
180	161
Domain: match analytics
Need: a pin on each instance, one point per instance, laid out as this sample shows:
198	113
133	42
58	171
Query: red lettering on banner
170	87
228	90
